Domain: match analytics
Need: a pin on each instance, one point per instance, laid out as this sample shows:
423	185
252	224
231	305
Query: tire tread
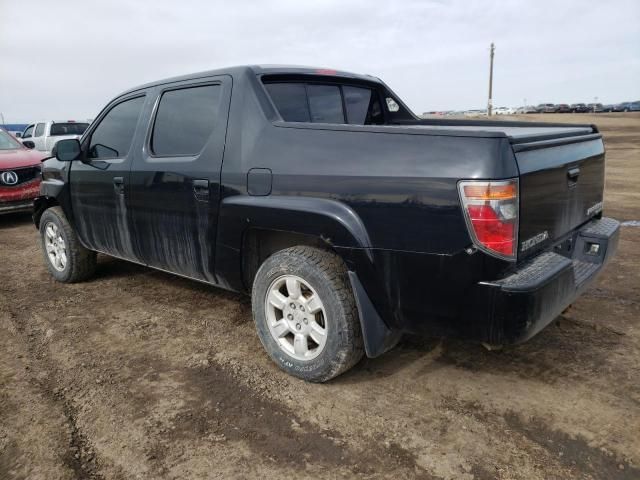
82	262
334	271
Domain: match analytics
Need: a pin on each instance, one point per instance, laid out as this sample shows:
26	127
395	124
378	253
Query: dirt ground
139	374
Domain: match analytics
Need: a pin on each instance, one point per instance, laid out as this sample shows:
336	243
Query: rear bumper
517	307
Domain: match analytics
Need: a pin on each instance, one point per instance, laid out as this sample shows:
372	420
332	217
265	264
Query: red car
19	174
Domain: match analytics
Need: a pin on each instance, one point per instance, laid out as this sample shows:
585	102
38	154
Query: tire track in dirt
80	455
280	437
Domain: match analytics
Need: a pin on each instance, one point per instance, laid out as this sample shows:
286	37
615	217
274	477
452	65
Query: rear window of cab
315	102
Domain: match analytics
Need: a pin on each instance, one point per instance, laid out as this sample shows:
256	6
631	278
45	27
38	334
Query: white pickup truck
44	135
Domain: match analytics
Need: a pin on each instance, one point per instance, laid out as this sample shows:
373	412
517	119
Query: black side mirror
67	150
29	144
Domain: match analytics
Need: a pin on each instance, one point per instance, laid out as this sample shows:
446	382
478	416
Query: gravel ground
139	374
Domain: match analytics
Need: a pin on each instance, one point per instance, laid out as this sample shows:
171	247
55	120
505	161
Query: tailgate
561	187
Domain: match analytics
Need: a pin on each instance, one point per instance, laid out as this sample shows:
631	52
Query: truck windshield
68	128
322	103
7	142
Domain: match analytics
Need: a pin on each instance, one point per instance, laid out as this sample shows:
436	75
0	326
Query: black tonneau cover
524	132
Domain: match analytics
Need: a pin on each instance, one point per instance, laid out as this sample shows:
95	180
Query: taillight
491	212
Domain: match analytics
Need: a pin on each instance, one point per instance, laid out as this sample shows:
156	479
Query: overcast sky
65	59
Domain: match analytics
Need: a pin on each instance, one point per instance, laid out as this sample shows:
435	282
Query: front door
100	182
27	134
175	183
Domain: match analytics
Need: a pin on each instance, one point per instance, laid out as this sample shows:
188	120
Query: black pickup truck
349	220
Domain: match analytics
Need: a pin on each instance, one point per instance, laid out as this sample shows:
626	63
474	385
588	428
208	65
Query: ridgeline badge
533	241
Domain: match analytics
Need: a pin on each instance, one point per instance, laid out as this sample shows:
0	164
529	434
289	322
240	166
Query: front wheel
305	313
67	260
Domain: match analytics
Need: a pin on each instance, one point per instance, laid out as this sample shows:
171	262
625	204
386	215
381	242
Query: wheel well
259	244
40	205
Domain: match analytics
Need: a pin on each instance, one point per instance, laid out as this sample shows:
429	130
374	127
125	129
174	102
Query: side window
39	130
290	100
363	106
185	120
317	103
113	136
325	104
28	133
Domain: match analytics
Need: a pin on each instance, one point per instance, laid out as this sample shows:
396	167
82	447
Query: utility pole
490	103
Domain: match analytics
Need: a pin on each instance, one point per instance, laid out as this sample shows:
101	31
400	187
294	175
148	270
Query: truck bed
517	131
561	175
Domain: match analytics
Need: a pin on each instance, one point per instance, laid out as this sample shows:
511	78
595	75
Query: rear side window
68	128
291	101
325	104
317	103
113	136
184	121
356	102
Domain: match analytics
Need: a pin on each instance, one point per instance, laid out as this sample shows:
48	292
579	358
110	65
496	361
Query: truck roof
59	121
265	69
516	131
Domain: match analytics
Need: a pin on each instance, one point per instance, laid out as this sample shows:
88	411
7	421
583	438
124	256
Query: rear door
38	137
99	184
561	188
175	183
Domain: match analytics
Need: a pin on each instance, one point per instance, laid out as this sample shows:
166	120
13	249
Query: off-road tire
81	263
327	274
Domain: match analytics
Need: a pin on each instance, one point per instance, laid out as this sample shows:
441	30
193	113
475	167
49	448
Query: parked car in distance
631	107
595	107
475	113
547	108
347	219
527	109
19	174
563	108
579	108
504	111
44	135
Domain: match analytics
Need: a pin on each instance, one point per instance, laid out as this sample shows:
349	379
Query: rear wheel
306	315
67	260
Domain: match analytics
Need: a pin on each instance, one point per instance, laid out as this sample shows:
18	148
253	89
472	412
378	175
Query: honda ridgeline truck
347	219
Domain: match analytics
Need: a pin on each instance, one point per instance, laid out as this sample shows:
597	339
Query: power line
490	102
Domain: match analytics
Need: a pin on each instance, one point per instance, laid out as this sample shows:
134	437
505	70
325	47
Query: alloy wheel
296	317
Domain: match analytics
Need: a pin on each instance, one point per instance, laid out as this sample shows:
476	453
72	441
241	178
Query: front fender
52	190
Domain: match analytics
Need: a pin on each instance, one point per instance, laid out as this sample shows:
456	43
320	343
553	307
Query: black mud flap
378	338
